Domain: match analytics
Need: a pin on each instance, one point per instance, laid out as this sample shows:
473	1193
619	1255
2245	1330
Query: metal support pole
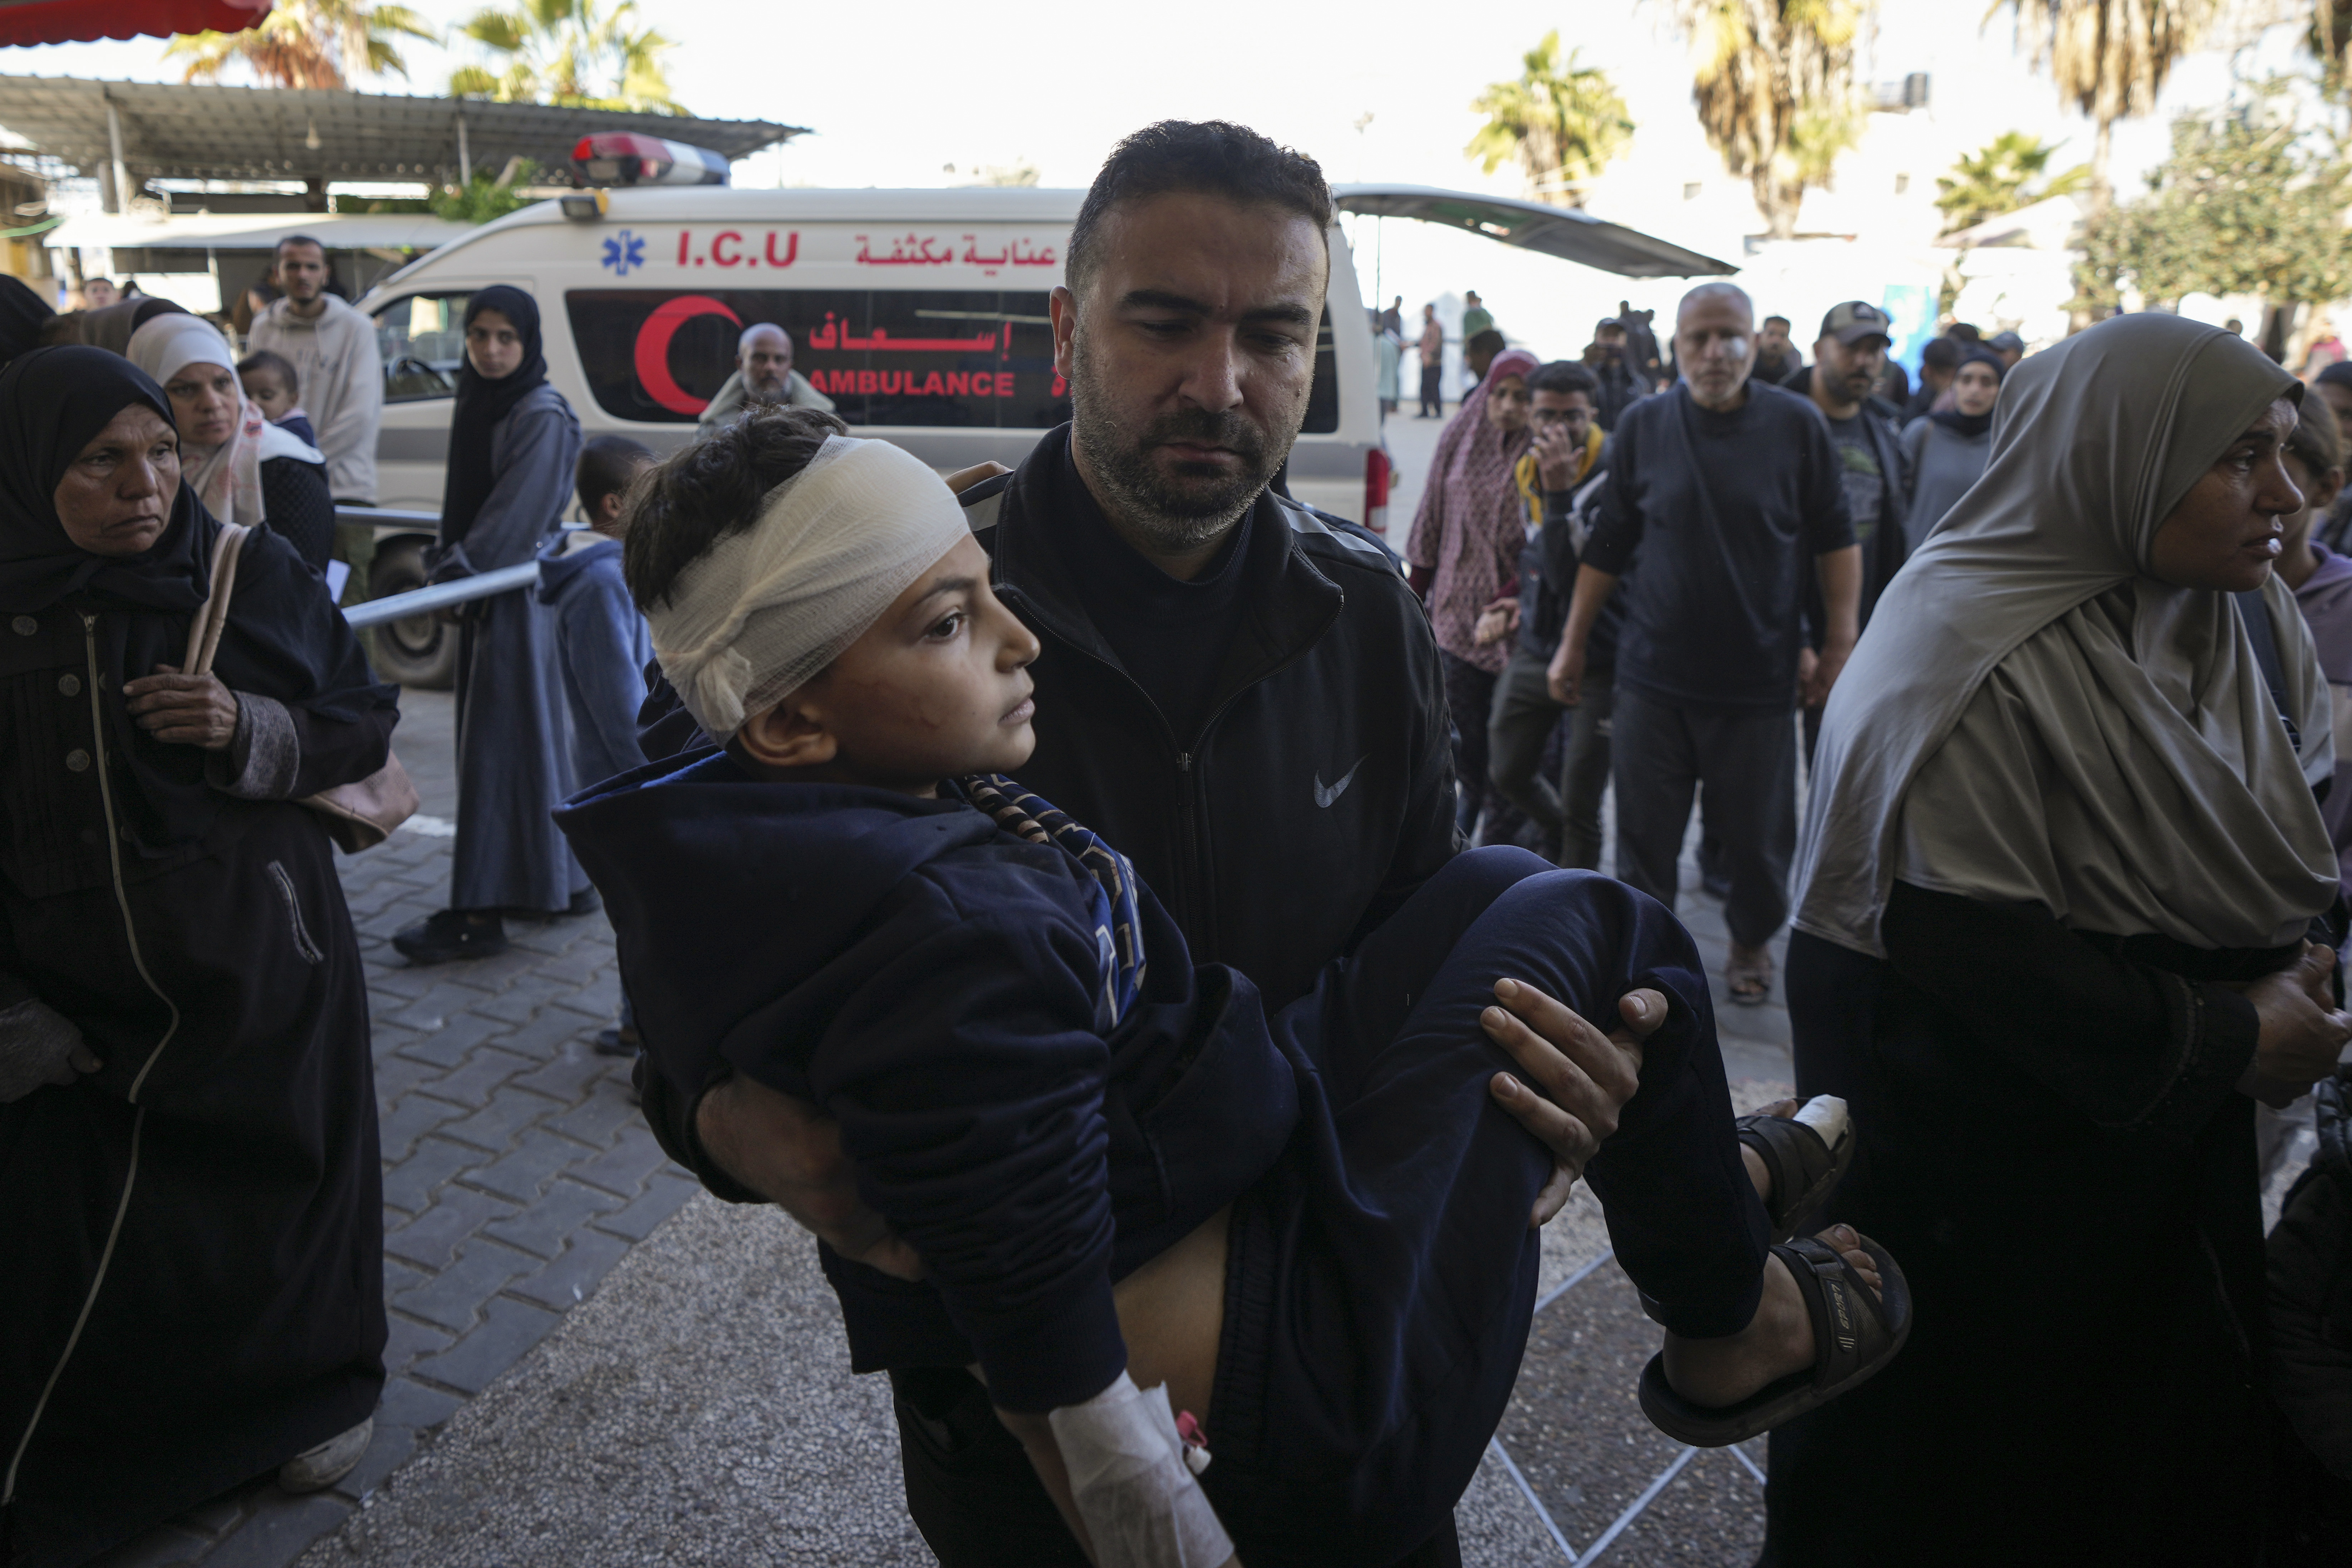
465	154
114	145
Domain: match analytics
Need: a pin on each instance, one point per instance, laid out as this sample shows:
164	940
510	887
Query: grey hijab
2100	742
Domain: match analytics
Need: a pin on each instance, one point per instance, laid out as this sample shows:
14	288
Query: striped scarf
1118	924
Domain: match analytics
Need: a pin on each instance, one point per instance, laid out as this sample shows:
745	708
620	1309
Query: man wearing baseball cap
1848	358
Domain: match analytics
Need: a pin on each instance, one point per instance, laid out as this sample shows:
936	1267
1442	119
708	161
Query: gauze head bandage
770	605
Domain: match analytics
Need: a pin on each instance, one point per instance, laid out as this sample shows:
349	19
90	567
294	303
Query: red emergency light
630	158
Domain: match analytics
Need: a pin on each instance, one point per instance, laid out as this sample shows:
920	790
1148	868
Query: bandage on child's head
768	606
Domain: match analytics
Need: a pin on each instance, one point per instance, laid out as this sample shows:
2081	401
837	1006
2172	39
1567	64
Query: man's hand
784	1150
1808	661
1555	457
1827	666
1564	676
38	1046
185	710
2302	1031
1585	1077
1496	621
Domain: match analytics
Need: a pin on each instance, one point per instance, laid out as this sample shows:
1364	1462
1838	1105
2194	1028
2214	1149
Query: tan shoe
316	1469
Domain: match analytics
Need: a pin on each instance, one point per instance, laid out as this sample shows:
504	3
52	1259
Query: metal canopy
173	132
1564	232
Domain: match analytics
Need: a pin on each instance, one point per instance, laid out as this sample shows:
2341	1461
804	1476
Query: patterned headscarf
1471	524
1118	922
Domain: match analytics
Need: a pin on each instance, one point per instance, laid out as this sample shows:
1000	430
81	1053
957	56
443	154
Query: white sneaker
315	1470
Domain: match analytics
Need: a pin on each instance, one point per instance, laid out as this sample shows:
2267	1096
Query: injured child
1307	1228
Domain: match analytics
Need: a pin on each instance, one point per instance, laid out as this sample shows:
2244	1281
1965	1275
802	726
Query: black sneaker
450	935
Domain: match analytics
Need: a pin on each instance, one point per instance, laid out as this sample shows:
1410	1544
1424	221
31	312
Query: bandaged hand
39	1045
1141	1505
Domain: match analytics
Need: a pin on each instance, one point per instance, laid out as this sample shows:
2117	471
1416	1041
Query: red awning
80	21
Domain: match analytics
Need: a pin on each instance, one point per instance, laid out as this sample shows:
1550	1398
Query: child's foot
1758	1171
1777	1341
1795	1156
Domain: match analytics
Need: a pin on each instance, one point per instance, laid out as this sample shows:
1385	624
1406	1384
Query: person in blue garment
513	442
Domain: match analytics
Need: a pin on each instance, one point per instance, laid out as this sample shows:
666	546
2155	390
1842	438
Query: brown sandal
1750	984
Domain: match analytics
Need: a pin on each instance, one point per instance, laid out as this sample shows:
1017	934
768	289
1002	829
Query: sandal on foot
1755	978
1805	1165
1856	1331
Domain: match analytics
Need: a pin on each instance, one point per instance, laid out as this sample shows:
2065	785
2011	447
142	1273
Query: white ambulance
922	313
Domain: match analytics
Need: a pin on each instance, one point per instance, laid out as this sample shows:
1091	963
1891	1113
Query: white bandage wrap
1133	1488
767	607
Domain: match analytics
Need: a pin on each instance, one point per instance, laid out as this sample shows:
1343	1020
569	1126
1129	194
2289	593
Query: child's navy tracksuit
944	989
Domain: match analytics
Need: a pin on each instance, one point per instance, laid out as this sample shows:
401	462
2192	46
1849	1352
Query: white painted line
1534	1502
1741	1455
430	827
1573	1280
1635	1511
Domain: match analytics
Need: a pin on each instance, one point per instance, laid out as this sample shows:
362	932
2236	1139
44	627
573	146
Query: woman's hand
2302	1030
1498	621
184	710
39	1045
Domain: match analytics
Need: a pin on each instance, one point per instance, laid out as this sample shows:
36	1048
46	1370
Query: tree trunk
1778	203
2103	195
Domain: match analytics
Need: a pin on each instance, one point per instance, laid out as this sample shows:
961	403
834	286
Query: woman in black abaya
192	1226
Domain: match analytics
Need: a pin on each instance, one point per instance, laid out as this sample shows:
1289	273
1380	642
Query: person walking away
1388	354
195	1223
513	443
244	469
1939	358
1433	366
1197	630
1566	460
1944	454
333	352
2059	875
275	388
763	373
1737	497
1393	319
1464	546
1475	317
1777	359
1477	355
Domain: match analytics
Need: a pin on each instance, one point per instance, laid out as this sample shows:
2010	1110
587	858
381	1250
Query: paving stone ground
591	1364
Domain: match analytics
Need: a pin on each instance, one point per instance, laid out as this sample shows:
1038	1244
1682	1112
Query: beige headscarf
2126	769
227	477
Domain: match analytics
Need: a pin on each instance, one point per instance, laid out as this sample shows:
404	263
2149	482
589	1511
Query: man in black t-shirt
1736	497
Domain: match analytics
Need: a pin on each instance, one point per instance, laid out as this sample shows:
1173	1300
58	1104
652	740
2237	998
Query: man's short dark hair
701	493
285	240
1488	343
1964	332
1940	353
276	364
606	466
1565	376
1206	157
1782	320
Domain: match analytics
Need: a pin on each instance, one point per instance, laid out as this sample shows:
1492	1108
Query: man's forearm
1593	587
1841	577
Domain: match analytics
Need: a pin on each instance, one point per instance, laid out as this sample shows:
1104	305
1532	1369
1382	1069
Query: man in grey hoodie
333	352
763	373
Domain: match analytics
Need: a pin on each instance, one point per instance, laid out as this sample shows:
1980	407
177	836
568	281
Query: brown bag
359	816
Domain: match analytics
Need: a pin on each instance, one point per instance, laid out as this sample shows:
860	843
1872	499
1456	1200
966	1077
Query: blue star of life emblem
623	251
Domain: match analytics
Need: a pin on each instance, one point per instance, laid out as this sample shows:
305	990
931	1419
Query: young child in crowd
1116	1166
271	381
601	643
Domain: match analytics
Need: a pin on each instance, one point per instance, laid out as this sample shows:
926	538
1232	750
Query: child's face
939	686
268	394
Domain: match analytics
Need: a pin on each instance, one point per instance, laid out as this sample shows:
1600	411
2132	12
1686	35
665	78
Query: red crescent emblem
653	350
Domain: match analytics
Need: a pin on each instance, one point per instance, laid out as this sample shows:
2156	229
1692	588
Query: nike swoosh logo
1325	794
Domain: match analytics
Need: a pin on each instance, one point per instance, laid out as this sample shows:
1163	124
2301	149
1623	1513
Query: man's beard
1186	510
767	391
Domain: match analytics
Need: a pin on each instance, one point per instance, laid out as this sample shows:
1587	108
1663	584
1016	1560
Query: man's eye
947	625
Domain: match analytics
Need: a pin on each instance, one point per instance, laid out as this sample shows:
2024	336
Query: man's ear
787	735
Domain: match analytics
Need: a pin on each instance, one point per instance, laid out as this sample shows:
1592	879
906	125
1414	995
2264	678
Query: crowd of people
1153	1104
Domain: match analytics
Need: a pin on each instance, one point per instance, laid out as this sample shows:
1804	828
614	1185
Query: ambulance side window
422	339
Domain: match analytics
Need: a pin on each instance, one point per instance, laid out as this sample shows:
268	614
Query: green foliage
2001	177
487	196
308	44
1563	121
567	52
2251	202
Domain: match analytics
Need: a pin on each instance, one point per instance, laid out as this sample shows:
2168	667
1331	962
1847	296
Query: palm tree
308	43
1563	121
569	52
2110	57
1993	180
1774	90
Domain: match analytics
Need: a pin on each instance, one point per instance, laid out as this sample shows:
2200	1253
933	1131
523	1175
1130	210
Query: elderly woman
244	469
2060	866
192	1228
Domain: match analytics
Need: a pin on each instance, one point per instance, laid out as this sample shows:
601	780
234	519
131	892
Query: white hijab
2133	722
225	477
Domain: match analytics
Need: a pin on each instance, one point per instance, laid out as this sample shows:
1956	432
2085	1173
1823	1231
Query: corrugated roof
254	231
175	132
